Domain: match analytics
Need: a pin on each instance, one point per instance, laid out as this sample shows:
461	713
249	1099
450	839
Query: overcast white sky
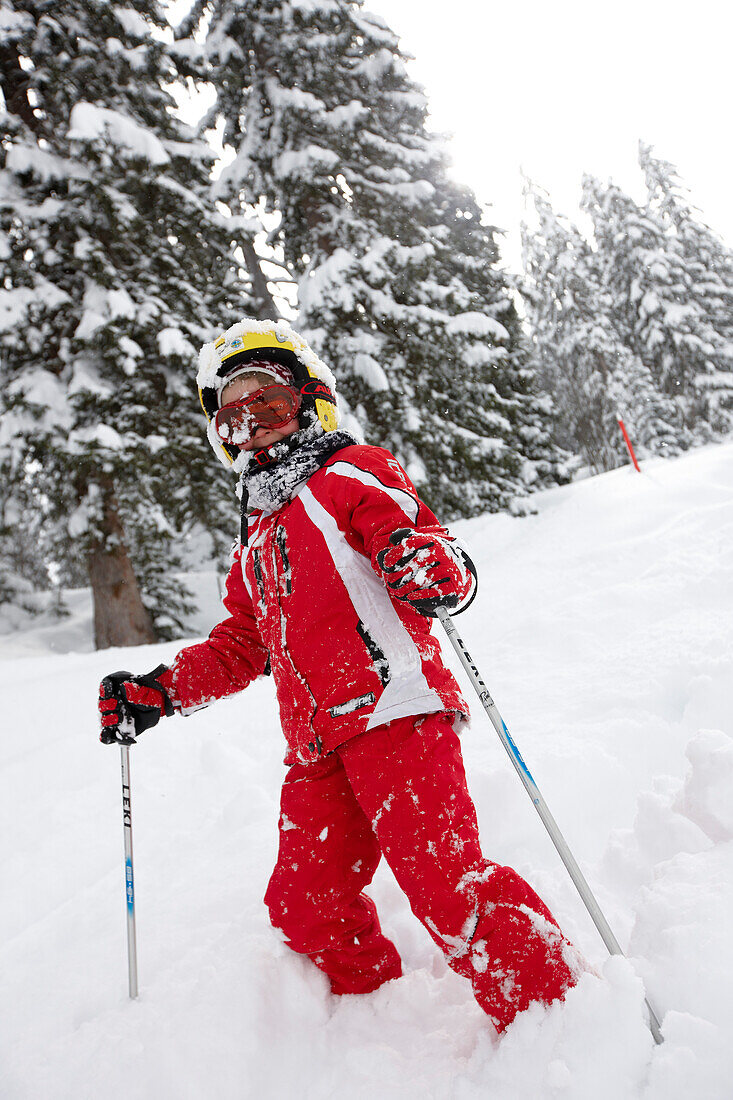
564	87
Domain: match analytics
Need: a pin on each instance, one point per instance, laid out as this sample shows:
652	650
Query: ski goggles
270	407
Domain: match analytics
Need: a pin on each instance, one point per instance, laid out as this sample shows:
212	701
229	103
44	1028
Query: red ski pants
400	791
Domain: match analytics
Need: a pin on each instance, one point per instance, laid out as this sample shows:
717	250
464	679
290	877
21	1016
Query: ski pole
539	804
129	876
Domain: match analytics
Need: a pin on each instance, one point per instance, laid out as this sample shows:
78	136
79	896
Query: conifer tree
649	279
24	578
397	275
701	311
639	317
117	266
582	350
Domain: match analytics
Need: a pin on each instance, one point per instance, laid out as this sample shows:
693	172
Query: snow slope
604	629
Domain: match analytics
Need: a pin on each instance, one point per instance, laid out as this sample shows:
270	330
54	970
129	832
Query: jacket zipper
315	745
257	570
287	577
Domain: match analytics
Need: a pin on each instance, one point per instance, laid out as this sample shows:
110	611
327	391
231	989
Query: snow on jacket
306	597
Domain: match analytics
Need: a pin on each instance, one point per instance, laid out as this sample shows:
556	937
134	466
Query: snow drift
603	627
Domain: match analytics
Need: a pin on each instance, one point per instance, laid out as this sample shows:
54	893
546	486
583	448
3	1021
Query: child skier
339	569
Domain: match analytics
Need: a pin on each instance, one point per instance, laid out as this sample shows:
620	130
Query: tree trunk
15	84
120	617
261	291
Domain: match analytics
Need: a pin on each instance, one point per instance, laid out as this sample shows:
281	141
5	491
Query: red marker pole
622	426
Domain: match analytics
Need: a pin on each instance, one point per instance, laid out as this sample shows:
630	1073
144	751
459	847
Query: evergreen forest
127	241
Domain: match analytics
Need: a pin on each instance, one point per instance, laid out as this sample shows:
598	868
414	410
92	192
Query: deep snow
603	627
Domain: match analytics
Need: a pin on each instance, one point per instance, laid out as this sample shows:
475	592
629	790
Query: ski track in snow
603	628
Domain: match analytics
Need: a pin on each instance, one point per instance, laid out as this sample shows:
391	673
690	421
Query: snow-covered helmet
251	341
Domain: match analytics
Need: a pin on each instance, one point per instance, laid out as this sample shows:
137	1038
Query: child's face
263	437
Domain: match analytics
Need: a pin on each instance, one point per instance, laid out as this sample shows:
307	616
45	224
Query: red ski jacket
307	598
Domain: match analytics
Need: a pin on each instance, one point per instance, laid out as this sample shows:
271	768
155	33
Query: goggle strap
262	458
315	388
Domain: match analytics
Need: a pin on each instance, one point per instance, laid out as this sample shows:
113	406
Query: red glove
427	569
129	705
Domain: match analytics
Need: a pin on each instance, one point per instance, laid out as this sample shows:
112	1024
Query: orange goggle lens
270	407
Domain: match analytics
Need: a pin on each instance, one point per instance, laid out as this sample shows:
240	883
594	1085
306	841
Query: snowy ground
604	630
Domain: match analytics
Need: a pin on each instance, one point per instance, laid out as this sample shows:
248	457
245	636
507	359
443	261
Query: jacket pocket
377	654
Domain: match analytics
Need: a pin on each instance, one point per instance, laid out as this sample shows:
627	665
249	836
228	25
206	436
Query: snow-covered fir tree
657	306
703	317
24	578
638	272
581	348
471	425
116	267
397	275
636	317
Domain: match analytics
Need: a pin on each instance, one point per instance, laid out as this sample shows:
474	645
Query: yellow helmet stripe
250	341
